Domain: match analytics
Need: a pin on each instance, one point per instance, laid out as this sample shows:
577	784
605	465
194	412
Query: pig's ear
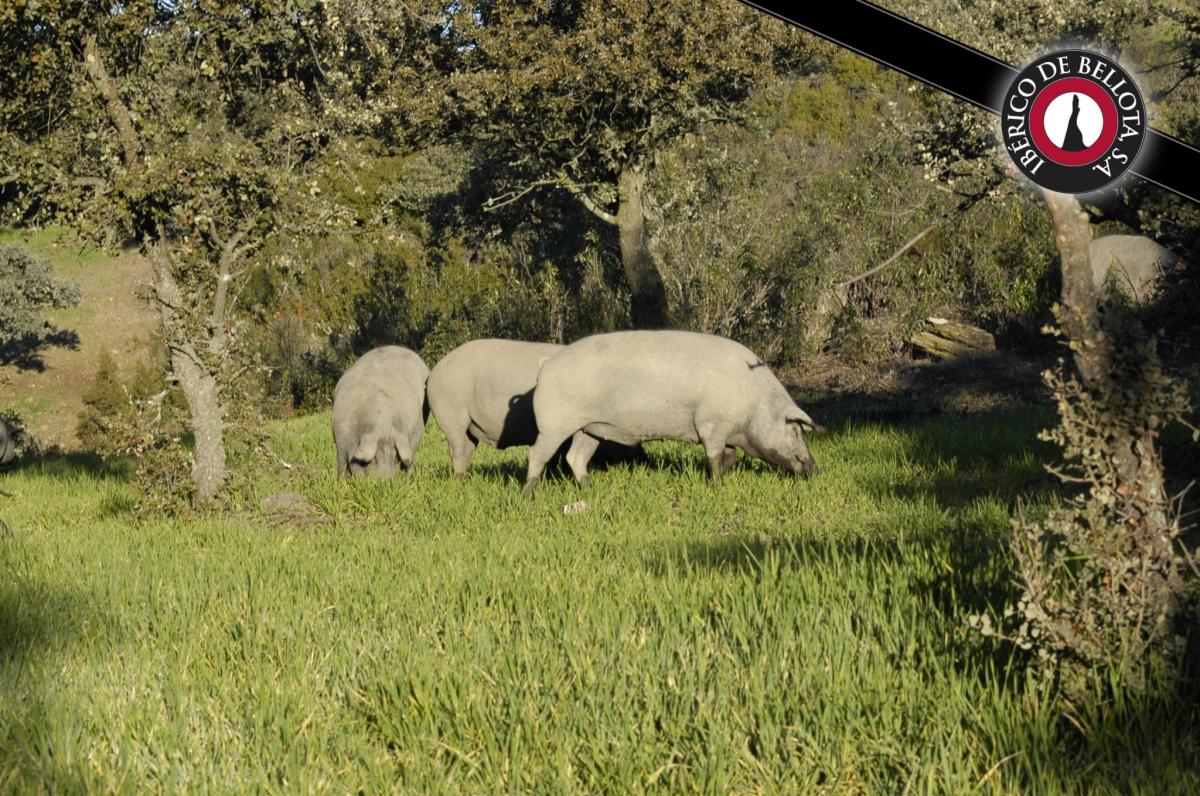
368	446
800	417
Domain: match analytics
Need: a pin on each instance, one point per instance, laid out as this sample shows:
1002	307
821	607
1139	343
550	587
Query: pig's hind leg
547	444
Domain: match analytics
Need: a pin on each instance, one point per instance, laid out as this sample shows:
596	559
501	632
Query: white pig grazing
482	391
634	386
379	412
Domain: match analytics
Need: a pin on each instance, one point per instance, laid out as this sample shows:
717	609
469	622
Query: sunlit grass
764	634
68	252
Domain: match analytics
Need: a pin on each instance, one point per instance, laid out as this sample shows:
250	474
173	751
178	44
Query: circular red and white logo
1073	121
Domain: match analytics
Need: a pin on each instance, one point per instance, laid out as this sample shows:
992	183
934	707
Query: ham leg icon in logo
1073	137
1073	121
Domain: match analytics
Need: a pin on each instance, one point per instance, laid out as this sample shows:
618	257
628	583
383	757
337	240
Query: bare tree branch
583	196
507	198
895	256
231	251
559	180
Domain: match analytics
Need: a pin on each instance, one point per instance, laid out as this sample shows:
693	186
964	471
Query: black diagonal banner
957	69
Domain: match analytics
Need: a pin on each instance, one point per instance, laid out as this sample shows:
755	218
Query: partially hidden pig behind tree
379	412
482	391
629	387
8	443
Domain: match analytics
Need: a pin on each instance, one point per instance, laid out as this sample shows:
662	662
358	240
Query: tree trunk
208	426
197	381
1139	468
1091	349
648	304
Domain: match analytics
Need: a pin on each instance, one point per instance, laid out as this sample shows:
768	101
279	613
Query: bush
27	288
1108	587
18	441
434	299
762	227
140	417
301	366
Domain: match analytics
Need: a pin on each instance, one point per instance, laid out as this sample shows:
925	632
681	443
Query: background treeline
755	228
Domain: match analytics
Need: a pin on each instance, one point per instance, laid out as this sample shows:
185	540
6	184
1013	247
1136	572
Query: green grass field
762	635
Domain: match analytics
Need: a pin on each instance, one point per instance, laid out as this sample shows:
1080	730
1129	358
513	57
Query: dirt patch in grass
112	315
901	386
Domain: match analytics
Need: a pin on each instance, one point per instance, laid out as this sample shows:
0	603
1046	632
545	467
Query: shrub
1108	587
20	442
140	417
27	288
761	228
114	408
301	367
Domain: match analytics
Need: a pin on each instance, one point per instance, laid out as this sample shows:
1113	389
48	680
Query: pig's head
781	439
380	455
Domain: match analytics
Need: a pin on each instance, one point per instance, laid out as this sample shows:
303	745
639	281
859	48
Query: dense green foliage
759	224
751	222
312	186
584	96
761	634
201	131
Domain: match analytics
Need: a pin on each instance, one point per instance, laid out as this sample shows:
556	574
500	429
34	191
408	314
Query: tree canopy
200	130
583	96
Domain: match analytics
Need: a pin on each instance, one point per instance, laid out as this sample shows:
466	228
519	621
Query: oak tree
581	96
200	130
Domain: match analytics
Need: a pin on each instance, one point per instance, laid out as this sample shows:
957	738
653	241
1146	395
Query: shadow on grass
956	460
25	352
960	567
952	461
608	456
41	622
34	619
962	570
57	463
964	566
37	622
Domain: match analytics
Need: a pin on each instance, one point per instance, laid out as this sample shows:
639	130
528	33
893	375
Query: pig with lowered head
482	391
379	412
634	386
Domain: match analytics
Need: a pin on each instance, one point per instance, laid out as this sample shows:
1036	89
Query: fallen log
946	339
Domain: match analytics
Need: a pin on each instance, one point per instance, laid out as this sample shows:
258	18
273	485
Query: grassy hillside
761	635
110	316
